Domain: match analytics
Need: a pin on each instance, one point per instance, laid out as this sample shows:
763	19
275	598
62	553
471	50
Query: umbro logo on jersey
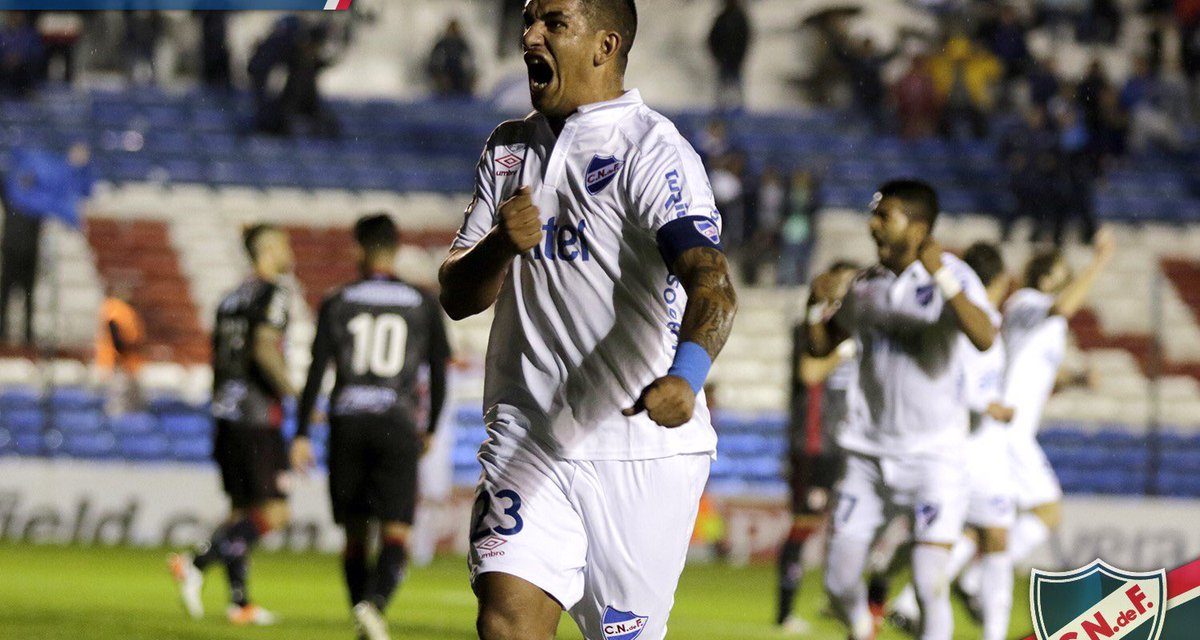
601	171
507	164
622	625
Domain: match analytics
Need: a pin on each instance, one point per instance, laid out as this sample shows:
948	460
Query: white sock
844	583
996	598
933	591
962	553
1026	536
906	604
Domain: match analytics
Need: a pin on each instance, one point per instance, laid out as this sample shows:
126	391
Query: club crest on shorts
622	625
1098	601
709	229
601	171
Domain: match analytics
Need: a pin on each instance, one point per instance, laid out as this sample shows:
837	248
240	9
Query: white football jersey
985	385
1037	341
910	394
591	316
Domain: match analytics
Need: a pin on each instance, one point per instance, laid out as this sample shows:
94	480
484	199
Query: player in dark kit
379	332
818	407
250	385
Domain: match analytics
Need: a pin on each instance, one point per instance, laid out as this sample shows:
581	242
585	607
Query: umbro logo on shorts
490	543
622	625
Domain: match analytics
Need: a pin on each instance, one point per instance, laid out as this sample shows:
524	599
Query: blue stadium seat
78	421
186	424
75	399
19	398
192	449
27	444
95	445
134	423
31	420
8	443
151	446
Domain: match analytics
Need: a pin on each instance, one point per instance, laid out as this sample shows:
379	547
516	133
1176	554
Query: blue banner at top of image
198	5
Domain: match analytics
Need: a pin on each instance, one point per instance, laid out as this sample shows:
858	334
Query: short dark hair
985	260
920	196
376	231
252	234
615	15
1040	265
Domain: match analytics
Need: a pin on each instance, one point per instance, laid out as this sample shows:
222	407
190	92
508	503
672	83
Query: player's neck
610	92
900	265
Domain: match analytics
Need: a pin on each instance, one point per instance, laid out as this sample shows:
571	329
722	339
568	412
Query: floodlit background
1036	119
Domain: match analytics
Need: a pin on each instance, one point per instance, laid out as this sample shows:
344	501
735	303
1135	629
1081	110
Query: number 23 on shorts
509	502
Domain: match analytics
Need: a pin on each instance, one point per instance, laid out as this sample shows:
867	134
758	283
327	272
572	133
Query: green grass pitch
55	593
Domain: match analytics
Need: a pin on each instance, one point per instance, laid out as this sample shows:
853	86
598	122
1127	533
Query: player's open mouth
541	74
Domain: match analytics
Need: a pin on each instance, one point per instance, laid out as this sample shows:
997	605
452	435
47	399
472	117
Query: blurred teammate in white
1035	332
905	439
594	233
991	508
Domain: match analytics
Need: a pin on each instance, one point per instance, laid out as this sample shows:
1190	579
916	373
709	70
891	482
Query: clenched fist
669	401
520	221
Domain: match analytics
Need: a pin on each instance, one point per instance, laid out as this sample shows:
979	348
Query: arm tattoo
712	301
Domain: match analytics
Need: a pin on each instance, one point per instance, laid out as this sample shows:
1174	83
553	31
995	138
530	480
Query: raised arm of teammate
1072	297
707	321
974	322
471	277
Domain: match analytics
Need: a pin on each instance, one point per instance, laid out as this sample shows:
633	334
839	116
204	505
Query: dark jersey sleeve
323	350
439	355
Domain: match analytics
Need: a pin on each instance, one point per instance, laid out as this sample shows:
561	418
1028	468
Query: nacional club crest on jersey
601	171
709	229
622	625
925	295
1098	601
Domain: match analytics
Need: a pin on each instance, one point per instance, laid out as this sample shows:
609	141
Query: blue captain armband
692	363
688	232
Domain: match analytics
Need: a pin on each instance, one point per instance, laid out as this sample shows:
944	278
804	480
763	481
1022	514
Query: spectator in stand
451	63
795	235
1008	42
916	100
297	47
22	55
965	78
120	337
1187	13
1088	94
1112	129
729	42
40	185
865	64
143	30
1030	153
1081	168
1043	82
768	213
60	31
1150	123
215	70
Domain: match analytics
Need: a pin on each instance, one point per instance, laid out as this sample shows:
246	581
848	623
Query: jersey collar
609	109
